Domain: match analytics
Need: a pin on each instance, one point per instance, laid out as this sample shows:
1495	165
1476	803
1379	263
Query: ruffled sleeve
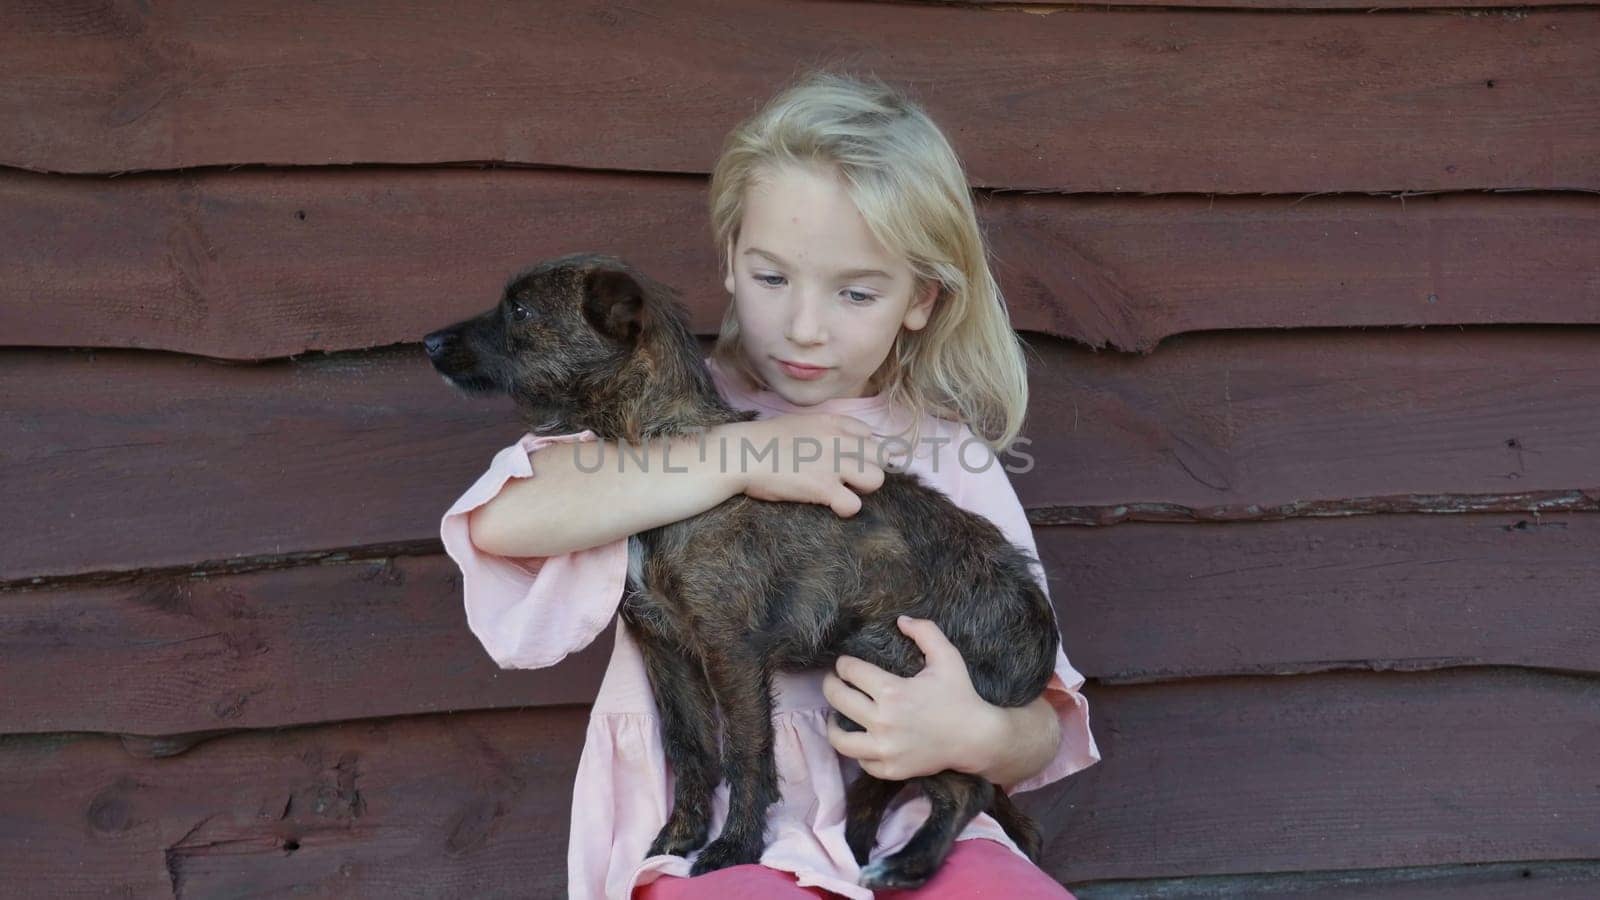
529	612
989	493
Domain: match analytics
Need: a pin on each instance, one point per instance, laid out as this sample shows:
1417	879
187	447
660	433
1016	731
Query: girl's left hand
915	726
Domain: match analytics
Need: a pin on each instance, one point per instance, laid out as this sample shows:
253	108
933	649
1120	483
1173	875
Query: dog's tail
1017	824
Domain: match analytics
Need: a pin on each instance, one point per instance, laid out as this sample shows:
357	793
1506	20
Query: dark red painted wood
120	461
178	657
1052	7
1207	776
1333	771
472	805
179	654
251	265
1094	100
1530	880
1388	592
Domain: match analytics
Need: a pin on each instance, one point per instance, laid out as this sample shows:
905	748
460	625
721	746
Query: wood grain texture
254	265
1535	880
1051	7
123	461
1333	771
1208	776
1083	100
426	806
181	657
286	457
168	661
233	656
1388	593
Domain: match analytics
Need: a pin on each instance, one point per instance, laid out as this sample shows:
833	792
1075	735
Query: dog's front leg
743	690
689	739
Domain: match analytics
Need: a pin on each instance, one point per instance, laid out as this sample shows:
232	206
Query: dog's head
559	328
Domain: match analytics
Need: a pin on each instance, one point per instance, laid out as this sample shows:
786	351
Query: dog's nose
436	342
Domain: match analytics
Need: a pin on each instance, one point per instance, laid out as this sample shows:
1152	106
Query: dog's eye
519	313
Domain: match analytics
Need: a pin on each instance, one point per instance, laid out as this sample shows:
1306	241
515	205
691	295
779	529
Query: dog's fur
721	600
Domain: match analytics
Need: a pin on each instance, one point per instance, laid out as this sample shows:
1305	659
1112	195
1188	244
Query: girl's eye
859	298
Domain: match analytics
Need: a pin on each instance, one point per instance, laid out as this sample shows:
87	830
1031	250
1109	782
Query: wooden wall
1311	289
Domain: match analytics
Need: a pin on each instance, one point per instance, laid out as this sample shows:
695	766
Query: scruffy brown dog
585	342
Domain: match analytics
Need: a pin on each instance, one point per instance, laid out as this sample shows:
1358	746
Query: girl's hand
793	457
927	723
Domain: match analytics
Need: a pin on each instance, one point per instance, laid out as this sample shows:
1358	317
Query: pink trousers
975	868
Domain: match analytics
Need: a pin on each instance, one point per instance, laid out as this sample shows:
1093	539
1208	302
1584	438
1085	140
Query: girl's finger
926	634
864	676
849	701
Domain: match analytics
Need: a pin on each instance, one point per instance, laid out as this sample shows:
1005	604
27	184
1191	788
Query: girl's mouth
804	373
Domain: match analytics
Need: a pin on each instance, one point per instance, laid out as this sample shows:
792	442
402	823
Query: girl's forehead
794	187
807	217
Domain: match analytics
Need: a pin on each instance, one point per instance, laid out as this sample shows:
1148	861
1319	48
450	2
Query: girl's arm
1024	741
935	720
1006	745
595	495
544	557
591	493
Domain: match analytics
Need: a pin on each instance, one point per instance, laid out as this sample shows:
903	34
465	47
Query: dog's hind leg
864	804
1017	824
688	735
955	799
743	690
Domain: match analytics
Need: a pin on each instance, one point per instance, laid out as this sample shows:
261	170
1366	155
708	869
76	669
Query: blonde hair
966	364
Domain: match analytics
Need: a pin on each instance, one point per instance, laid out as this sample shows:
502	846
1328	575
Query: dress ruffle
624	779
521	609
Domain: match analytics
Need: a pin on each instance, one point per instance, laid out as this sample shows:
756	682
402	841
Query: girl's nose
805	319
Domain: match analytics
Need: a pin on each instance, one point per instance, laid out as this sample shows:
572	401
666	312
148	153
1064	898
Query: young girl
860	298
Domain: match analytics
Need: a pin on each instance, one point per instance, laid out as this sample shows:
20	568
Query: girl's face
811	285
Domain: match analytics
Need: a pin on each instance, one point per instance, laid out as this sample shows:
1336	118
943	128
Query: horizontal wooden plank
254	265
126	460
470	805
1220	426
1051	7
1537	880
1083	100
1211	776
1136	603
1334	771
179	655
122	461
1157	601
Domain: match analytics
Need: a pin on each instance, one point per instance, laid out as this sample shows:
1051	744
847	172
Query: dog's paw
679	837
898	872
724	852
665	846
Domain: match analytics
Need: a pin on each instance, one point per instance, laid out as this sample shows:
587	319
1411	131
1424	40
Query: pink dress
529	616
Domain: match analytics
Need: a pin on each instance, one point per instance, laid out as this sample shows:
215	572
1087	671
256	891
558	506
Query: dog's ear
613	302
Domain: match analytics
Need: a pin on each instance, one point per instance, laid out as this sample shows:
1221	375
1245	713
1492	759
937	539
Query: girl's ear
728	281
921	308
